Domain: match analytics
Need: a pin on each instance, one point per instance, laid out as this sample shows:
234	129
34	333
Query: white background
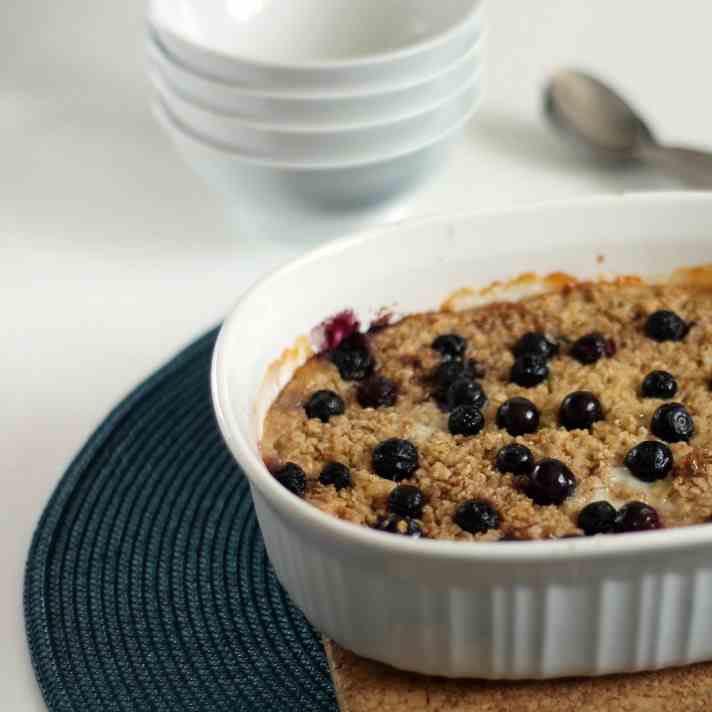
113	255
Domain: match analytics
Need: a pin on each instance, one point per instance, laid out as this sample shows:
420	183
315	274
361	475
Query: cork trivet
367	686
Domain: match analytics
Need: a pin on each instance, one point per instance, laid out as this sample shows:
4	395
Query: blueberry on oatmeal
337	475
659	384
636	517
394	524
535	343
323	405
465	392
650	461
450	346
580	410
516	459
395	459
591	348
352	357
406	500
672	423
401	415
377	392
550	482
450	371
665	325
518	416
476	516
529	370
597	518
292	478
466	420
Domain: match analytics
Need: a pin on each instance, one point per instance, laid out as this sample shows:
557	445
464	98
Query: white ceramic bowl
316	110
292	203
311	43
584	606
349	145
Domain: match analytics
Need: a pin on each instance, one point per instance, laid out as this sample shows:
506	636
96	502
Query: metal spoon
592	113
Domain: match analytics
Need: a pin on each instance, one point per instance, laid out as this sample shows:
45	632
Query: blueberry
323	405
353	358
649	461
591	348
336	474
395	459
537	344
659	384
293	478
476	516
636	517
393	524
450	371
550	482
466	420
377	392
597	518
406	500
465	392
518	416
529	370
671	422
450	346
516	459
580	410
664	325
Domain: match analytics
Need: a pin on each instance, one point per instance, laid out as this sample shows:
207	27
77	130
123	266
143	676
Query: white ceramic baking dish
585	606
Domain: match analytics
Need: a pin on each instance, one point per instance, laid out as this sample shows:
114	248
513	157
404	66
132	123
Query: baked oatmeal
585	410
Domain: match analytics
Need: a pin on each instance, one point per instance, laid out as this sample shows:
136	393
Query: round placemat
147	584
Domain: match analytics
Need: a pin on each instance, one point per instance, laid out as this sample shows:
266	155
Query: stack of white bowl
306	112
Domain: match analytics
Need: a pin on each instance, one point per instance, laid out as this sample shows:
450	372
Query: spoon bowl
594	114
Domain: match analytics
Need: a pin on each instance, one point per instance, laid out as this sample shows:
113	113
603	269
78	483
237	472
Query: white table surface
113	255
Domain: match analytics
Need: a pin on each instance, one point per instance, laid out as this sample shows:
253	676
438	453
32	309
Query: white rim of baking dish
377	58
327	525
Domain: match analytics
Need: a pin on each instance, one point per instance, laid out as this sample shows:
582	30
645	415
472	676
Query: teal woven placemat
147	584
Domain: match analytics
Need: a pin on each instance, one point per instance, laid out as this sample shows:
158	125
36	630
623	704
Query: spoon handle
692	167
